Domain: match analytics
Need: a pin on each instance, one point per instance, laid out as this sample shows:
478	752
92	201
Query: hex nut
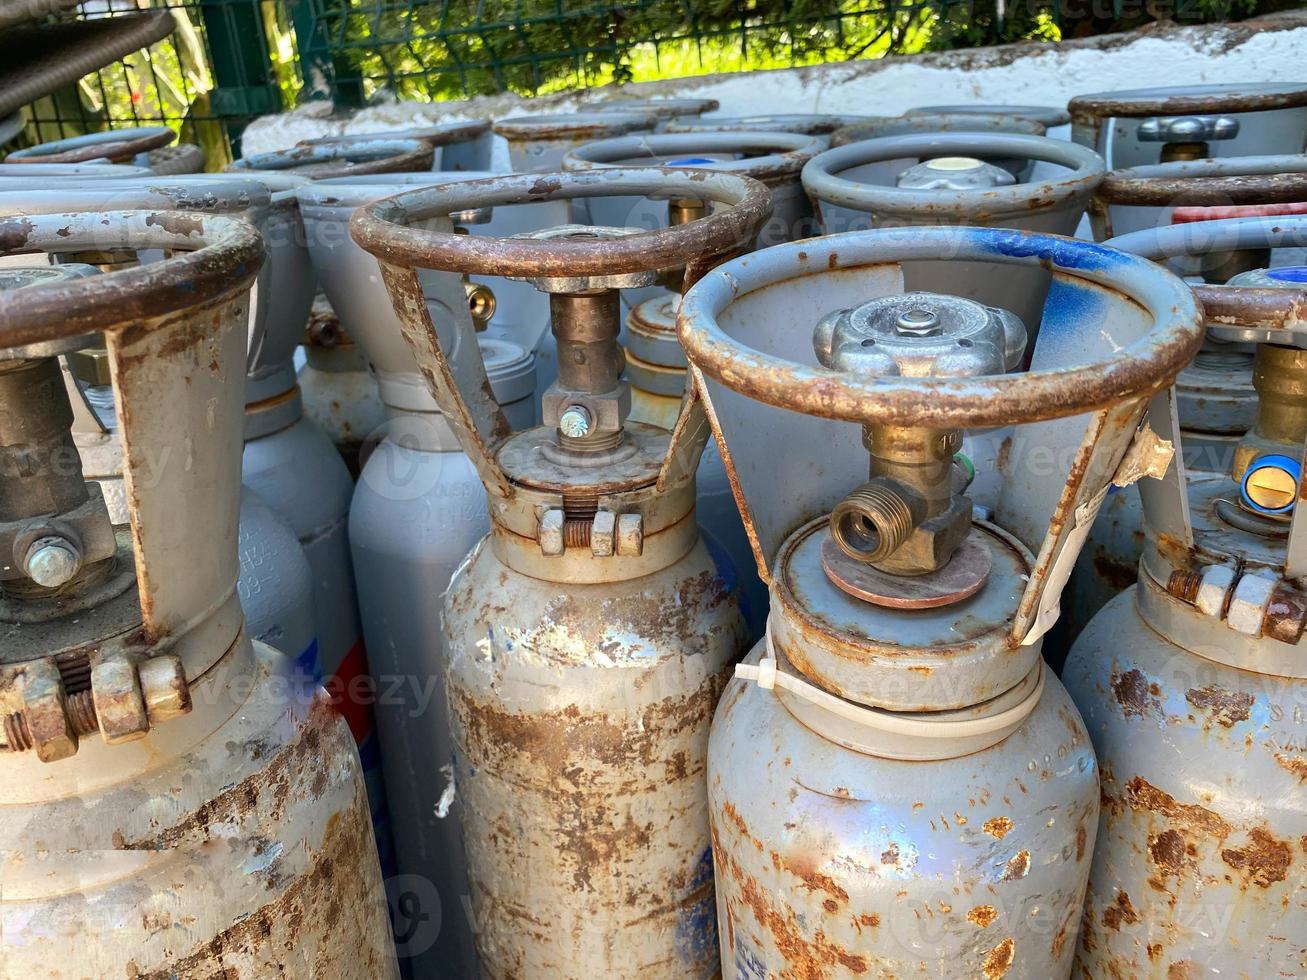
1248	603
52	561
119	705
602	534
45	712
551	532
164	688
630	535
1213	588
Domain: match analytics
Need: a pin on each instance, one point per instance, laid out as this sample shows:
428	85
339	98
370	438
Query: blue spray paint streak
696	930
307	661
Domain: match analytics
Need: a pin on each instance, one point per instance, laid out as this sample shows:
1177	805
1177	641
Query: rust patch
1143	795
1119	576
813	880
1295	764
1000	959
1134	694
1118	912
1182	970
1154	951
1167	850
1082	839
997	827
982	915
1017	867
890	855
1264	860
1226	708
868	919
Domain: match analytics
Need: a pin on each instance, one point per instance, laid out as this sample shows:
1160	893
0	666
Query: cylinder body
299	474
234	839
837	864
1199	868
416	515
580	719
276	584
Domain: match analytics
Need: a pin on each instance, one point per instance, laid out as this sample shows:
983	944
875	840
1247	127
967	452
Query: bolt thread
1184	584
576	532
872	522
81	713
595	443
17	734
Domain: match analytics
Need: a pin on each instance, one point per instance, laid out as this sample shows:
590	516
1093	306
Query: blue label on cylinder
696	930
1290	273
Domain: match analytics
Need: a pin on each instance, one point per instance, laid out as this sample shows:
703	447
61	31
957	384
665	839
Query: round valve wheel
115	145
765	156
822	175
1046	115
378	156
1208	183
1188	100
385	227
875	127
439	134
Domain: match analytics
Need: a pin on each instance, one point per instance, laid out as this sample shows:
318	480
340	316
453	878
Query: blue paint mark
728	573
1289	273
691	162
696	930
307	661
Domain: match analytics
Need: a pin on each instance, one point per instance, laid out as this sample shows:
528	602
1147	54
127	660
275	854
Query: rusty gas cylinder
897	785
589	635
1191	682
178	800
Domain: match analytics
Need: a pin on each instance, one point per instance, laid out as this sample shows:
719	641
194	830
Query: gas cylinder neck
589	402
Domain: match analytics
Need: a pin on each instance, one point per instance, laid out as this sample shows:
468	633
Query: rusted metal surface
875	127
264	821
1193	100
833	865
1185	215
216	258
808	123
662	108
1047	115
375	156
574	126
769	156
1226	181
1200	864
116	145
385	227
580	722
438	134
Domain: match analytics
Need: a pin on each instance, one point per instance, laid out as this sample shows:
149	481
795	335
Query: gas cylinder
666	111
416	512
1214	399
538	143
1191	685
274	585
177	800
1191	122
775	158
807	123
589	634
419	508
897	786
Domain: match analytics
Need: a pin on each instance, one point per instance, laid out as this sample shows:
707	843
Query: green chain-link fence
232	60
